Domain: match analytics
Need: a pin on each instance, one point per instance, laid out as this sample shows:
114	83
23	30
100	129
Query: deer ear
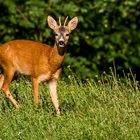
73	23
52	23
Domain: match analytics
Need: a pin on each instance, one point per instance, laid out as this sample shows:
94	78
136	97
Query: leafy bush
108	31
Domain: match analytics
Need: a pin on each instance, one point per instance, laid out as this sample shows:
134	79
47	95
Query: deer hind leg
35	85
8	75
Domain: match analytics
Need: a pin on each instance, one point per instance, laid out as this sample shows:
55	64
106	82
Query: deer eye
67	34
56	34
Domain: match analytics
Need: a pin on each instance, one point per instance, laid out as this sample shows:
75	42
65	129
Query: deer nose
61	42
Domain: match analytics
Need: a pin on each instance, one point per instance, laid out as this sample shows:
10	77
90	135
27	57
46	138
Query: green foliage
108	30
107	109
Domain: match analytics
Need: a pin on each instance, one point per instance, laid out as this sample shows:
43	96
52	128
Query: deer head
62	32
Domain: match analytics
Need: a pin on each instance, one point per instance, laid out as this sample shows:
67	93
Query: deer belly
26	70
44	77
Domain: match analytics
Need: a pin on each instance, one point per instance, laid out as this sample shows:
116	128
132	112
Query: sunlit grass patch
108	108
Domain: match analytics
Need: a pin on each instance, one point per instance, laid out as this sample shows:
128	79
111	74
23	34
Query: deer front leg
1	80
35	85
53	92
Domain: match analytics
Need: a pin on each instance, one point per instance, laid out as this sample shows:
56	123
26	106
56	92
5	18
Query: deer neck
57	56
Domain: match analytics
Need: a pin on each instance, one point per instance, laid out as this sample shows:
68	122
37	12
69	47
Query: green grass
108	109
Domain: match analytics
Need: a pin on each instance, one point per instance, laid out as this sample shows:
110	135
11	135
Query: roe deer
40	61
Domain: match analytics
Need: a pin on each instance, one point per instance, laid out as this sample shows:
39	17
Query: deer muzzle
61	43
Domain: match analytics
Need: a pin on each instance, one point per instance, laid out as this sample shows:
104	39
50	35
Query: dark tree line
108	31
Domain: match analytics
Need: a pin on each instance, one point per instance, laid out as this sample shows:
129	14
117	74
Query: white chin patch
61	46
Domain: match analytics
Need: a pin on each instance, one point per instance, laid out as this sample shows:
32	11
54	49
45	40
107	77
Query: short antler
59	21
65	21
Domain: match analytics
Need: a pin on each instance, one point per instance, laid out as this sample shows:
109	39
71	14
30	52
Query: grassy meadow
105	109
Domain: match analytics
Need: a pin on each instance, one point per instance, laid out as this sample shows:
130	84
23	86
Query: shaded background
108	32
